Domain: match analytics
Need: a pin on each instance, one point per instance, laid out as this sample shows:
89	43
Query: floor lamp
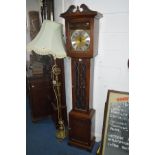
49	41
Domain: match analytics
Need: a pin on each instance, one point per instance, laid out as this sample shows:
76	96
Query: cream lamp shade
49	40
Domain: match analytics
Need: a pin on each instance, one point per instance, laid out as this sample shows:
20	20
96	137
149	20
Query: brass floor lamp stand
56	71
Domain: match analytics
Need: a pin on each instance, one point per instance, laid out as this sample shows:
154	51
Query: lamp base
61	133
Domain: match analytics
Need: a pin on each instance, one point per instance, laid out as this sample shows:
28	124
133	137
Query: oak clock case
82	26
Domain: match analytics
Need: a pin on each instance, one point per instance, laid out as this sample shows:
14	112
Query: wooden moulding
74	11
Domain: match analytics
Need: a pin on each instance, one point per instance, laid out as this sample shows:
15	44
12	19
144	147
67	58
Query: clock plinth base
81	129
82	145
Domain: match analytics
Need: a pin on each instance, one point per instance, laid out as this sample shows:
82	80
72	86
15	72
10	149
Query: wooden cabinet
41	95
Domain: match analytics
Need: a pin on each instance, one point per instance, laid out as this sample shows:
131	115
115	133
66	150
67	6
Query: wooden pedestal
81	129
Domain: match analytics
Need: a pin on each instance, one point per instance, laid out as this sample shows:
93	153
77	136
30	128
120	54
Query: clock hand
80	39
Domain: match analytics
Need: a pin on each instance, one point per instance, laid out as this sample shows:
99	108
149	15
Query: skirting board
98	137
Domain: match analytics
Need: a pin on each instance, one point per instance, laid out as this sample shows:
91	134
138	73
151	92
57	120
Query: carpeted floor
41	140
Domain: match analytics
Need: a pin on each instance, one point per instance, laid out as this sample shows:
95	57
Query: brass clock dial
80	40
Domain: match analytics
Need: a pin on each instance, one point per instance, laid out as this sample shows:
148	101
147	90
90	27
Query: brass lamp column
56	71
49	41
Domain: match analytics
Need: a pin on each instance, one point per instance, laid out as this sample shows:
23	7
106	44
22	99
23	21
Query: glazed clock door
79	43
80	83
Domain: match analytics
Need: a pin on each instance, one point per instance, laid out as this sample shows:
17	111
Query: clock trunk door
80	84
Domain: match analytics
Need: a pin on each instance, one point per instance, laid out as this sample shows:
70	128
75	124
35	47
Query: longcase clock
82	27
